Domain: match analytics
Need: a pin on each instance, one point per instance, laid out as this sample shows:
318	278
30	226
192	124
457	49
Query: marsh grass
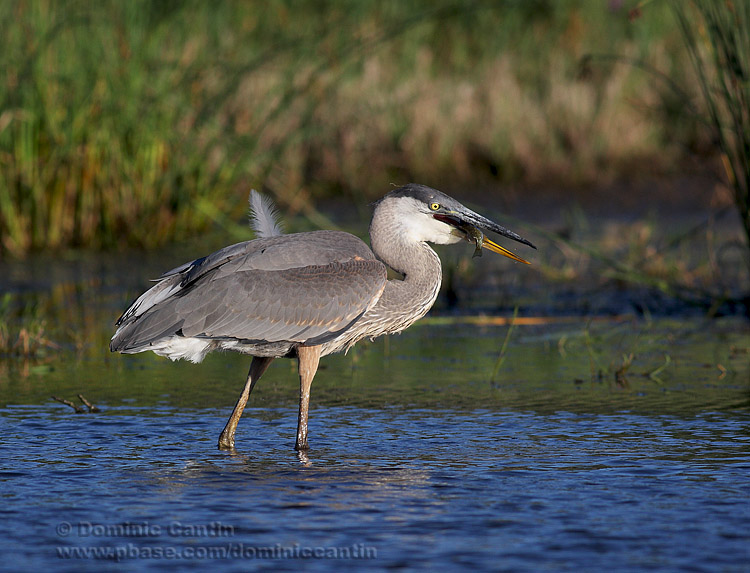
504	347
701	269
717	37
23	333
135	123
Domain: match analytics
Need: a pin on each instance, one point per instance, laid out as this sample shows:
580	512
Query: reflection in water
304	459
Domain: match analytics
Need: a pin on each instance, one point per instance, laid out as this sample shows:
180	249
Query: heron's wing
309	304
273	253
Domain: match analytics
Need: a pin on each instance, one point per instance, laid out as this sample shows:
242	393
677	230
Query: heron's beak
495	248
472	224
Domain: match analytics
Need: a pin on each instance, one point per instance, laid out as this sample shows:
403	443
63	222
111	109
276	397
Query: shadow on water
619	442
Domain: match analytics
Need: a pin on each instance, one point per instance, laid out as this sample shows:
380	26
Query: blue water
593	445
392	487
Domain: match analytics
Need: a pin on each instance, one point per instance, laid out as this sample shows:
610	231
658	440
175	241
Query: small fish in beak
473	235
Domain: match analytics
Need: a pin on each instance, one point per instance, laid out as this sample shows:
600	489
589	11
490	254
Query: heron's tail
264	217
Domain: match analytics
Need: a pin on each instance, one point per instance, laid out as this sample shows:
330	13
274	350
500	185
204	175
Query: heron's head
426	214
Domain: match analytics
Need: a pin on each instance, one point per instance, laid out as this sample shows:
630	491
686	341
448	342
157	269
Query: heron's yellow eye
434	206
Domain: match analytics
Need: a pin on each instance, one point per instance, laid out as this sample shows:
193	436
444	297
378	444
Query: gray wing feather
299	288
264	218
275	253
311	301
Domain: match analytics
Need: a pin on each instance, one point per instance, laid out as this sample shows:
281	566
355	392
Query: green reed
130	123
717	37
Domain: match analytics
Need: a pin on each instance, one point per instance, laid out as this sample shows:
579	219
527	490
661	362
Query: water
421	489
615	443
618	445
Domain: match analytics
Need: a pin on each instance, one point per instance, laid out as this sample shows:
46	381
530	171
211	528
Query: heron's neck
403	302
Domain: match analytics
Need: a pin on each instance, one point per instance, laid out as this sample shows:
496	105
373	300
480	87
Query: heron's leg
257	368
308	357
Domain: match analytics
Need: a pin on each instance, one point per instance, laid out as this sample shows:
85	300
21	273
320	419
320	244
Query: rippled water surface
598	446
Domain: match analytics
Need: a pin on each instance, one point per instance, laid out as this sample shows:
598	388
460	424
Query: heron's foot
226	441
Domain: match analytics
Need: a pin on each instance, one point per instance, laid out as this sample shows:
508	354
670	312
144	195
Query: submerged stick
89	405
78	409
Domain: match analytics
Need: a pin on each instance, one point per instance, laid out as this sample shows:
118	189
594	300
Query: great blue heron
304	295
